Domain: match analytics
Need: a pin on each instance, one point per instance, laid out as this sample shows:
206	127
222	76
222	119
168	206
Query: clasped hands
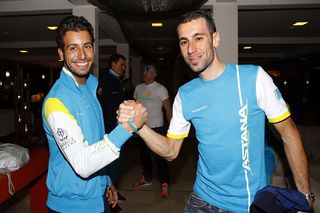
134	111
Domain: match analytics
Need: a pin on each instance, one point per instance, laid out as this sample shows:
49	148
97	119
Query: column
91	14
123	49
226	17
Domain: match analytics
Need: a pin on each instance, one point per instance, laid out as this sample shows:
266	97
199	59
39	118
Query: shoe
116	209
141	183
165	190
121	198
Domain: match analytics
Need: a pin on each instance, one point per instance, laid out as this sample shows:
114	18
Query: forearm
295	154
85	159
298	162
162	145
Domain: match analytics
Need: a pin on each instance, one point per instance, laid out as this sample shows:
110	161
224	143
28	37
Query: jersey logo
277	93
245	137
199	109
63	134
64	139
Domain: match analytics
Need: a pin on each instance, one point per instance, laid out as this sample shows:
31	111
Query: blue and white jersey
228	114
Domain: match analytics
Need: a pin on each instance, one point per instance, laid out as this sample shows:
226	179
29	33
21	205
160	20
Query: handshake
132	115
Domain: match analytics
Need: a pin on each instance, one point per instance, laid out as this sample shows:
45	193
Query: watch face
310	196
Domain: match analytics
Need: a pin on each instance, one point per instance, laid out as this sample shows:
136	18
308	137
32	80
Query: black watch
310	197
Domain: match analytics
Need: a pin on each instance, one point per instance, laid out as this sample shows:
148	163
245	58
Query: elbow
82	172
171	157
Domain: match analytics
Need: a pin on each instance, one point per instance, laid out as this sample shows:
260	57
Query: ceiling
264	25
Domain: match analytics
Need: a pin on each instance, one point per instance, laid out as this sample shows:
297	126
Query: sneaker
165	190
141	183
121	198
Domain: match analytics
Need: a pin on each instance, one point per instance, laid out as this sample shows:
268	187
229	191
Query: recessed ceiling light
158	24
23	51
161	59
300	23
247	47
52	27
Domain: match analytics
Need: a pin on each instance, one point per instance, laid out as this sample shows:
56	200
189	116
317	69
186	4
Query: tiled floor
147	199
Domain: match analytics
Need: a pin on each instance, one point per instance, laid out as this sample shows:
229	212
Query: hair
72	23
152	66
115	57
193	15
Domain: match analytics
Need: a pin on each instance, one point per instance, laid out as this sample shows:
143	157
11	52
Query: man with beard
227	105
77	179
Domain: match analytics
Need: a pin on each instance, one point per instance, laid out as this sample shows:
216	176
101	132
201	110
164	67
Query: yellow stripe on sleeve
55	105
280	118
177	136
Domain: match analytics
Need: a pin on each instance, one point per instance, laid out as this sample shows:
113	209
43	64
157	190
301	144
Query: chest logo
245	137
200	108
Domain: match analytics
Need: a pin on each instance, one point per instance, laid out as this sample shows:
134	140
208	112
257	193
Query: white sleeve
135	92
163	93
179	126
270	99
85	159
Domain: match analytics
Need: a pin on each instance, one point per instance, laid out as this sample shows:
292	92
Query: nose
82	54
191	47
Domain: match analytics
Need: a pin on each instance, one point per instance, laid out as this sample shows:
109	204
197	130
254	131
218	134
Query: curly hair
193	15
72	23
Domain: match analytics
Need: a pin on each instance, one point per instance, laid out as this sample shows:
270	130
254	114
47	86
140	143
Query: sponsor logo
63	134
199	109
245	137
277	93
64	140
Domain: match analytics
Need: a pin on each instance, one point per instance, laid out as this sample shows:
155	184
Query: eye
198	38
183	43
88	46
73	48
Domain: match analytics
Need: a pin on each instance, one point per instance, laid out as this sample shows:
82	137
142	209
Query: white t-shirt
151	97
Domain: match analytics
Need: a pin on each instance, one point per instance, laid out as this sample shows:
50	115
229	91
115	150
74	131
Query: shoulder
191	85
139	86
248	67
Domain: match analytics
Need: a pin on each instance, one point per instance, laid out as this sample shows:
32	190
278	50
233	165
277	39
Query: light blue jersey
228	114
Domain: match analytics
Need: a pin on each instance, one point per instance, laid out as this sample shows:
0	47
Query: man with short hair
112	95
154	97
227	105
79	149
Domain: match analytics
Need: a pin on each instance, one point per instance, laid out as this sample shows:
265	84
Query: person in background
79	149
112	95
154	97
227	105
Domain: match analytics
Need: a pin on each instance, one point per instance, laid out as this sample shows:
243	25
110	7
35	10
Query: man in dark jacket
112	95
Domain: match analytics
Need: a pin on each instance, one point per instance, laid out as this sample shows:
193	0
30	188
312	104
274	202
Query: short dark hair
72	23
196	14
115	57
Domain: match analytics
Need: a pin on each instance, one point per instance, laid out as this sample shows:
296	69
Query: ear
60	53
215	39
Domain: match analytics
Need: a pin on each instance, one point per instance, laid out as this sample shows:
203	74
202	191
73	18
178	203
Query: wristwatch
310	197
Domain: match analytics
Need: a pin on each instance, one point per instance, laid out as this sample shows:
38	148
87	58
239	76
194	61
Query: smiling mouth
81	64
194	59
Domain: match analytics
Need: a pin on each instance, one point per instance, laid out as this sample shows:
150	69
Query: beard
198	69
79	75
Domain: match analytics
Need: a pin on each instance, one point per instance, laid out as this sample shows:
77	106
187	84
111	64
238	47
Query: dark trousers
146	160
114	168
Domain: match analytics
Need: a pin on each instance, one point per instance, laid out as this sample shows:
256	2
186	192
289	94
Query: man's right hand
132	110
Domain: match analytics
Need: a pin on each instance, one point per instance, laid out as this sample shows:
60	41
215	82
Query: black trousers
146	160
